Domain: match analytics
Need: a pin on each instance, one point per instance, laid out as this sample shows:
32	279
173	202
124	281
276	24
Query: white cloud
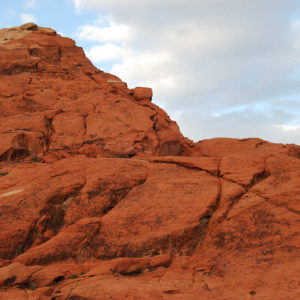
206	56
27	18
107	52
148	69
141	66
77	4
289	128
30	4
105	30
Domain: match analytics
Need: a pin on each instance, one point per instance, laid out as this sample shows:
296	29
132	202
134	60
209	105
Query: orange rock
142	93
101	197
16	273
51	73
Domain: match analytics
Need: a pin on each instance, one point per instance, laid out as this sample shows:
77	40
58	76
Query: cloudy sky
220	68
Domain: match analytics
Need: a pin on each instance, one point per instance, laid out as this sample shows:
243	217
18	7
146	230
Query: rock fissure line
85	128
272	203
214	208
234	201
25	284
184	165
154	119
52	217
83	253
50	129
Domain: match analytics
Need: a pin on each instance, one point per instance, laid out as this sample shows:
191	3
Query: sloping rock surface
101	197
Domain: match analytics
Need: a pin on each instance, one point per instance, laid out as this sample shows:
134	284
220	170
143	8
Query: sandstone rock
175	204
73	242
16	274
142	93
29	26
101	197
51	73
209	165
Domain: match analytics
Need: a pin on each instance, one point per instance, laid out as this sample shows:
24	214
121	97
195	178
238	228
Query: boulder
142	93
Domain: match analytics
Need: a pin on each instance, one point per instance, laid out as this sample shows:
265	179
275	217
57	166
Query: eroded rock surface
101	197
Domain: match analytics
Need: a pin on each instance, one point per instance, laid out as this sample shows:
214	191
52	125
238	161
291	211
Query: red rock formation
101	197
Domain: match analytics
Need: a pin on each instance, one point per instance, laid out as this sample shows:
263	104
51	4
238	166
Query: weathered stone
101	197
142	93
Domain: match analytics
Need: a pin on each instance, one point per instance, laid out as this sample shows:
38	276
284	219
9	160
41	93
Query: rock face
101	197
53	101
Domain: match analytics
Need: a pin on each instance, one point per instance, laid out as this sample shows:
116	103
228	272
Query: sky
220	68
